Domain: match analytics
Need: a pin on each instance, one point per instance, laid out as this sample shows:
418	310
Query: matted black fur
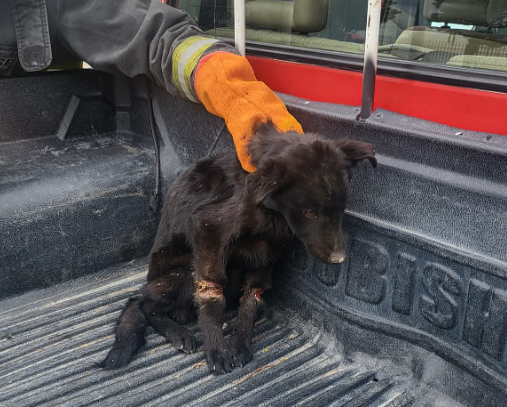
225	228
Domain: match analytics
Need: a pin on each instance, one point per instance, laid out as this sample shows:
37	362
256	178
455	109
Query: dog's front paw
241	352
219	361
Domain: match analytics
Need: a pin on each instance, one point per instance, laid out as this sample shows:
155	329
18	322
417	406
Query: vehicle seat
479	61
297	16
288	23
482	13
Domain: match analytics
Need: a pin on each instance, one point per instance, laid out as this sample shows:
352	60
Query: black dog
223	229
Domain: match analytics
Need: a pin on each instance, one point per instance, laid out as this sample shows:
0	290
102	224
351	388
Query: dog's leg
256	282
168	298
165	296
170	255
210	278
211	304
170	294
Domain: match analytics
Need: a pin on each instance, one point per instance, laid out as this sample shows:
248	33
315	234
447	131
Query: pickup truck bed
416	316
56	335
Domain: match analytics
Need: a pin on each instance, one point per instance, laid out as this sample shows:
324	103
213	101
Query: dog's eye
309	213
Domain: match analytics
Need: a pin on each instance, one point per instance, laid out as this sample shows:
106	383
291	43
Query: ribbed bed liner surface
52	338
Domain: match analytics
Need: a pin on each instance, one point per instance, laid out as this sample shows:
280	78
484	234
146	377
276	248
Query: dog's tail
130	331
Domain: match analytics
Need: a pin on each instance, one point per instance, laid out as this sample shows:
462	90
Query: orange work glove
226	85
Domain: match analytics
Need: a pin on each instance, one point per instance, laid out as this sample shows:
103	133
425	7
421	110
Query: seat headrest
305	16
497	13
484	13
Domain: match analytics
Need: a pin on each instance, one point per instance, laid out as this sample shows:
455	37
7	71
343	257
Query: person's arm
143	37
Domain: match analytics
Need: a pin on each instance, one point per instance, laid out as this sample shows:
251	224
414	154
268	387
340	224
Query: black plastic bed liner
416	316
52	338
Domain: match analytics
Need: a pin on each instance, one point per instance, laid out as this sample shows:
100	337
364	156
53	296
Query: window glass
458	33
335	25
462	33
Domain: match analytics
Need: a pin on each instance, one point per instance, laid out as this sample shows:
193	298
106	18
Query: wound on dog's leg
208	289
251	304
257	294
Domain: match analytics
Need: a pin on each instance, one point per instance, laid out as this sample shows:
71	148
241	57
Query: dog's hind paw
183	340
219	361
115	359
120	356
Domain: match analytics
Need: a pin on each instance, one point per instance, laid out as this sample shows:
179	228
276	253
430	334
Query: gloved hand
225	84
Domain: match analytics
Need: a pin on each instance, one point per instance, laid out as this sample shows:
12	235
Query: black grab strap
155	196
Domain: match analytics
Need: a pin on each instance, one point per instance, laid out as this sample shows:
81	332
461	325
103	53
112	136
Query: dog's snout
337	257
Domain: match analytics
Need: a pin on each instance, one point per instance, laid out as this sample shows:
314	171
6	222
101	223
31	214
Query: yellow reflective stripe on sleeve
185	58
192	62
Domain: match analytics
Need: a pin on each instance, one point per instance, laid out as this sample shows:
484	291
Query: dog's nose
337	257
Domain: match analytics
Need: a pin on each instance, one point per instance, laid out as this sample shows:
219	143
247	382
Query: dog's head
306	179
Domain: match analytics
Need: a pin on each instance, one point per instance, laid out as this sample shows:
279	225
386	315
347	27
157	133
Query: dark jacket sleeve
135	37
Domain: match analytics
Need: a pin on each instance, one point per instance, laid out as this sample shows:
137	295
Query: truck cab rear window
457	33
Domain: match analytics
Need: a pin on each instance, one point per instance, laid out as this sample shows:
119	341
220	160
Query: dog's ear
357	151
266	180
